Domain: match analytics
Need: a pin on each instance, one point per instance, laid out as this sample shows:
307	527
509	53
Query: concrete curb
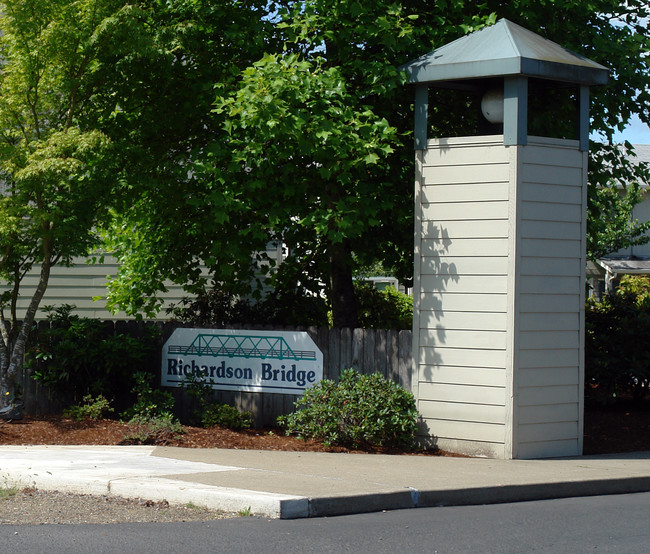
216	498
292	507
175	492
344	505
298	485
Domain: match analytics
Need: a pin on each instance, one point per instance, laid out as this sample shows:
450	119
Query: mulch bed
623	427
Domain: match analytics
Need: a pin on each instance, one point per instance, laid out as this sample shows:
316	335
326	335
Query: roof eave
421	72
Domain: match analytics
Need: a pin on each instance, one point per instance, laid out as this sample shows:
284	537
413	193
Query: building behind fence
366	350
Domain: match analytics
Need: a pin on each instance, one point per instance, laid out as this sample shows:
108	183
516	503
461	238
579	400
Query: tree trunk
342	297
15	352
4	382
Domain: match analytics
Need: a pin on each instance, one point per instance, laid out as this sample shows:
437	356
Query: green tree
157	106
101	104
54	171
312	143
293	129
616	187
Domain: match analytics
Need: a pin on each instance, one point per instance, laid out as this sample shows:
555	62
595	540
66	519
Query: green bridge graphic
241	346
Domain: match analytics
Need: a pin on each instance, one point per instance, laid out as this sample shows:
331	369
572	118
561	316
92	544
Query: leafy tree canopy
54	171
301	132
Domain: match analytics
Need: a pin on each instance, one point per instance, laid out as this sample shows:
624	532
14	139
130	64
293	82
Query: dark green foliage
358	411
217	308
383	309
217	414
213	307
151	403
378	309
617	356
77	356
637	285
90	408
211	414
150	419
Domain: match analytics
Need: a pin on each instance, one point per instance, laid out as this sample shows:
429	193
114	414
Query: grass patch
8	490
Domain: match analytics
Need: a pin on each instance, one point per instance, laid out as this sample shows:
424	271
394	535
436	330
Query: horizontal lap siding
79	285
549	300
463	270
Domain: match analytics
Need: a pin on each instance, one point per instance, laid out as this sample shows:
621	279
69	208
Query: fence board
346	348
366	350
334	353
381	361
369	352
405	358
392	354
357	348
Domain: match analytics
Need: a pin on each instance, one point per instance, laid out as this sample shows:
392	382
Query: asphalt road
592	524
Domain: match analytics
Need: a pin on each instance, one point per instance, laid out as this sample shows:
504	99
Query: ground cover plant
89	408
209	413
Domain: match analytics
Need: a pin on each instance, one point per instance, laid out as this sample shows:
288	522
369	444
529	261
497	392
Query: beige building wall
80	285
497	346
84	286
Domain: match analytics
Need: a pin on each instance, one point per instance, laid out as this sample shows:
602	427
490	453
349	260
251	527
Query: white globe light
492	105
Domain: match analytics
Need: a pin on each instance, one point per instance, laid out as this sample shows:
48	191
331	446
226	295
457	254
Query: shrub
211	414
222	415
78	356
217	308
383	309
150	402
636	285
153	430
617	358
90	408
359	410
213	307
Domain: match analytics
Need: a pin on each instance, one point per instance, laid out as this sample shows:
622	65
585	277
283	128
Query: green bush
153	430
217	414
617	356
150	402
358	411
150	419
78	356
383	309
636	285
217	308
90	408
212	414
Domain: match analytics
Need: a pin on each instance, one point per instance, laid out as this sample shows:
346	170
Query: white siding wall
462	272
550	299
499	295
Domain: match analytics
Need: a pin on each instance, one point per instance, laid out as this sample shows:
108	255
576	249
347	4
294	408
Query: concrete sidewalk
306	484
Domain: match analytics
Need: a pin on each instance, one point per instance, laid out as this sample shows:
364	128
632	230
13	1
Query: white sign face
283	362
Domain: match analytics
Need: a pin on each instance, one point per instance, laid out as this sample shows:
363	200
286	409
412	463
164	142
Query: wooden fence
366	350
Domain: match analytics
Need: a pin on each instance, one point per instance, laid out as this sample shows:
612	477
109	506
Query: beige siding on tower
551	297
498	311
462	274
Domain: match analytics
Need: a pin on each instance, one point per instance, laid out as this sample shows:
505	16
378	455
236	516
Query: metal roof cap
505	49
